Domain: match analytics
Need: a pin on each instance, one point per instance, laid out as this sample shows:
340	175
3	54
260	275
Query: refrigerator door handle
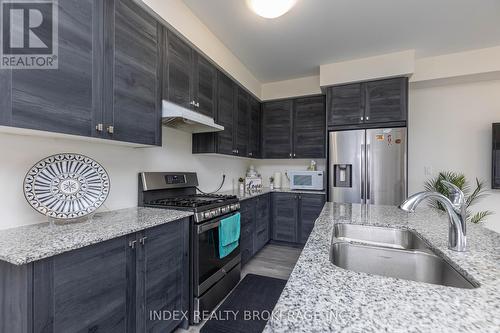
363	173
368	169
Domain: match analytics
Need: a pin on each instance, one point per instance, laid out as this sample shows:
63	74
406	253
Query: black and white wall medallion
66	187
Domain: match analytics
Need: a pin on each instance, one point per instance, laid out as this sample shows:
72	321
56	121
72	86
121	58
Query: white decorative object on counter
66	187
313	166
277	180
251	172
253	184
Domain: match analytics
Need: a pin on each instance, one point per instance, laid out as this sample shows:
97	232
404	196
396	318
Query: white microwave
306	180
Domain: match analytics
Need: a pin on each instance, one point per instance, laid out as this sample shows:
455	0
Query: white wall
291	88
473	62
371	68
18	153
450	129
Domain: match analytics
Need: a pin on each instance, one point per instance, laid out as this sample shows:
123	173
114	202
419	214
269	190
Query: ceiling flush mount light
271	8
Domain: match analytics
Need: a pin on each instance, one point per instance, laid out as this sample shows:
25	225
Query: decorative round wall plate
66	186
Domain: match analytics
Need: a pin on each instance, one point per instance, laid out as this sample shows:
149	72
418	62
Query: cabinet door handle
197	104
367	118
99	127
294	155
290	154
110	129
131	244
362	118
142	241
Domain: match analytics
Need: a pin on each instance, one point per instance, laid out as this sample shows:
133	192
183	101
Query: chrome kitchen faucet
455	206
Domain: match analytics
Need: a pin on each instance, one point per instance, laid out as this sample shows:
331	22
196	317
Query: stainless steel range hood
187	120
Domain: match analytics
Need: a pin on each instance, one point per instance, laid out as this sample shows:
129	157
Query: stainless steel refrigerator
368	166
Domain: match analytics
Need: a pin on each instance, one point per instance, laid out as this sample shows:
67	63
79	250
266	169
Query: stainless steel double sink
392	252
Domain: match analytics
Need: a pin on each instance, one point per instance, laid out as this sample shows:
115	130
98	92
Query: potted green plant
271	183
471	196
241	184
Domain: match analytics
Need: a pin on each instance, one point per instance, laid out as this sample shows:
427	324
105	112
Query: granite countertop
321	297
266	190
30	243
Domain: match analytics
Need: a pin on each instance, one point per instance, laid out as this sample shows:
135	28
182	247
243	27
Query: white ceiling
318	32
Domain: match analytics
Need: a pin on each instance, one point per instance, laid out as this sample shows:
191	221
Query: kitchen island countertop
321	297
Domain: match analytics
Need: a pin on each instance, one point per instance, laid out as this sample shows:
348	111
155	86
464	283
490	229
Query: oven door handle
208	226
212	224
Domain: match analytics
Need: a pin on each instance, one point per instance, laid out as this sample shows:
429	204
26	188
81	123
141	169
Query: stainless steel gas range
212	278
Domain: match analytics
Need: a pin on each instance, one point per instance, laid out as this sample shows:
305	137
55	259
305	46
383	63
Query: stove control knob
206	215
213	213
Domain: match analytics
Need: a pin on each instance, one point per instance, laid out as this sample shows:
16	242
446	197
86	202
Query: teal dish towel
229	235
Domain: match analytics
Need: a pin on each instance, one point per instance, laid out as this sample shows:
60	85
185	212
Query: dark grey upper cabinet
285	217
277	129
5	96
386	100
242	122
367	104
178	71
205	86
189	79
108	81
165	263
84	290
254	128
495	179
133	66
310	206
309	127
239	113
345	105
225	114
63	100
294	128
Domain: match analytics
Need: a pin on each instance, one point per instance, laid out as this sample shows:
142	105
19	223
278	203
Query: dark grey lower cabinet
83	290
247	230
263	219
163	274
310	206
285	216
255	226
294	215
106	287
